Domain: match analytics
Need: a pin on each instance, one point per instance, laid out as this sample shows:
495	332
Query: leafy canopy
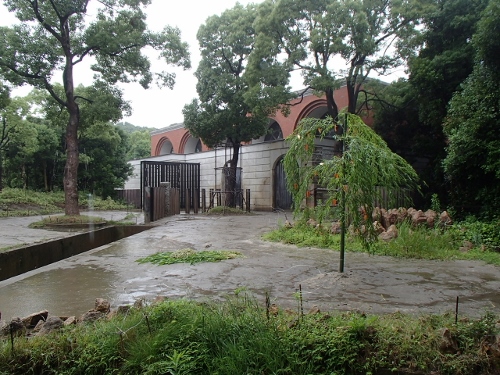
221	112
332	43
351	180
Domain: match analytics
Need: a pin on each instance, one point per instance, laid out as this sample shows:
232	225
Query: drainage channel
18	261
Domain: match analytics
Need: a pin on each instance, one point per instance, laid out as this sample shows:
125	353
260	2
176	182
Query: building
260	167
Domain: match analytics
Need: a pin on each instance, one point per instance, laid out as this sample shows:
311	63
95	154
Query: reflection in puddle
61	291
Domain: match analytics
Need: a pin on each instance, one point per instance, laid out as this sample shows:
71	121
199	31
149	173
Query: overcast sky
156	107
160	107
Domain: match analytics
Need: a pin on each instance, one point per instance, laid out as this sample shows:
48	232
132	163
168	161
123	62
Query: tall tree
472	164
54	37
316	37
221	114
4	127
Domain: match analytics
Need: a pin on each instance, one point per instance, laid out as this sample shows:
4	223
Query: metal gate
282	197
182	176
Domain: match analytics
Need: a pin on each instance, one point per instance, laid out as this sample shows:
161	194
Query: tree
351	180
315	37
19	141
4	128
442	65
472	164
54	37
221	114
138	144
103	146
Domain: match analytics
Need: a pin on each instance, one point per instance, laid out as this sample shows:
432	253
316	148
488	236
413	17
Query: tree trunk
1	171
231	176
70	179
331	105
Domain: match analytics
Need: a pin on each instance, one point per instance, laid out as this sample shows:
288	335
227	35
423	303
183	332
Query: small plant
189	256
435	203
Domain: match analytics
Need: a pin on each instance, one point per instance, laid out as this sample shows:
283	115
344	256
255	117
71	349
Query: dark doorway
282	197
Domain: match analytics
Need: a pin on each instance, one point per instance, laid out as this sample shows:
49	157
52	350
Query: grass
415	243
241	337
189	256
225	210
21	202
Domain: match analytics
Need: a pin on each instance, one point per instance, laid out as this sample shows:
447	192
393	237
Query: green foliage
54	37
313	36
221	112
412	242
354	179
237	337
481	234
189	256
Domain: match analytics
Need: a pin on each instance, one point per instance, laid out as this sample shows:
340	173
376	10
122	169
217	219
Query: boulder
16	326
53	323
102	305
389	234
448	344
32	320
91	316
431	218
335	228
418	218
445	219
378	227
70	320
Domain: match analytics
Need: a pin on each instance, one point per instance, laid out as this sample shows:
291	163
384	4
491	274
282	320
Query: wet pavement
371	284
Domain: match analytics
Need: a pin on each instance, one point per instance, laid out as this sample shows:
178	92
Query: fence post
168	208
147	204
212	196
196	200
247	193
203	201
187	201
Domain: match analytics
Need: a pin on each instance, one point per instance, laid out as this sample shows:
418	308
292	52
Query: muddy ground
371	284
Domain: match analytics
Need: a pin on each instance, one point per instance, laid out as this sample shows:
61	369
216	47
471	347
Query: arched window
274	132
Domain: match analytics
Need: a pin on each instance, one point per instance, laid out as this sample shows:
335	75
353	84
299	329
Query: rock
389	234
52	323
70	320
335	228
274	309
39	326
91	316
102	305
377	226
312	223
418	218
314	310
448	344
139	304
431	218
124	309
16	326
288	224
445	219
466	246
32	320
389	217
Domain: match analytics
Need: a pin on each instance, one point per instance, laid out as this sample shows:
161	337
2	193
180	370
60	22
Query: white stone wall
256	160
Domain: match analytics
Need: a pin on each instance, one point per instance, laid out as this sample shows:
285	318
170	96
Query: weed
189	256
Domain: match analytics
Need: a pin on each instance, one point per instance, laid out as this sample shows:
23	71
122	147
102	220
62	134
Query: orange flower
308	194
296	187
306	147
334	202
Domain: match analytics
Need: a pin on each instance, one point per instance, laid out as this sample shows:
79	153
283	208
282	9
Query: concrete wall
256	160
18	261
